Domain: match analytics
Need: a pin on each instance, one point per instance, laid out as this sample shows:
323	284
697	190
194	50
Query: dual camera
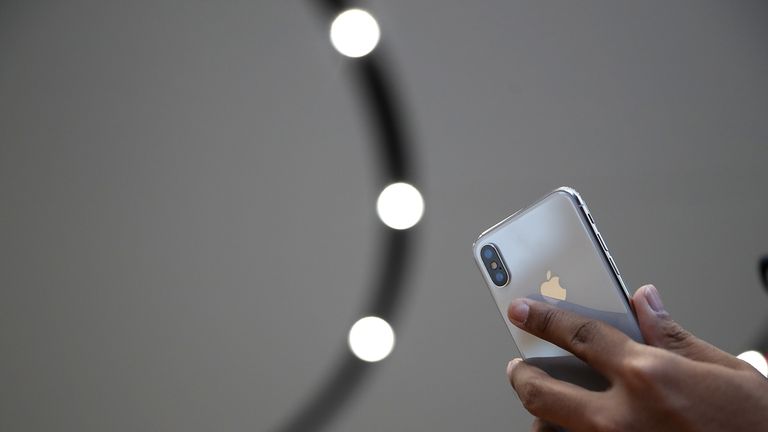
494	265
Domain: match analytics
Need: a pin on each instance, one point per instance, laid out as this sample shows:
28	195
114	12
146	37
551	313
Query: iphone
552	252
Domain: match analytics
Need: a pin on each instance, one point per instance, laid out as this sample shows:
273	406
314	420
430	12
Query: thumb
660	330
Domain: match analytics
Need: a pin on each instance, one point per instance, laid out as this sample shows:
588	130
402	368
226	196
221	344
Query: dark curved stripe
385	117
387	285
320	409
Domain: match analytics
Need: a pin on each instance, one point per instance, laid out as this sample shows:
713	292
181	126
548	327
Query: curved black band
392	144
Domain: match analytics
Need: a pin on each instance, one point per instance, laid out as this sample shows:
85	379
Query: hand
675	383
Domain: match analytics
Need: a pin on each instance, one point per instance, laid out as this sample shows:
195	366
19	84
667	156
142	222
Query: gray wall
187	222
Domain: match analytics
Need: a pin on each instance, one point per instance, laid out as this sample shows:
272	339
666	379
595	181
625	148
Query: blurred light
757	360
355	33
371	339
400	206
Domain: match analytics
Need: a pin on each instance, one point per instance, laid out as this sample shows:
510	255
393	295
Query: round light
400	206
371	339
355	33
757	360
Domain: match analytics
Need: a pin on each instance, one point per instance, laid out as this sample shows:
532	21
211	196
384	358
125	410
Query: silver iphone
553	252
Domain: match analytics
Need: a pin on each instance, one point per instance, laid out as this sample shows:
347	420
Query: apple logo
551	287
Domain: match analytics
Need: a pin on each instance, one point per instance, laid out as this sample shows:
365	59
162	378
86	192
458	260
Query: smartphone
552	251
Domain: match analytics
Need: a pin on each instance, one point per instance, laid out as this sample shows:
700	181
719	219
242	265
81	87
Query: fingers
660	330
549	399
598	344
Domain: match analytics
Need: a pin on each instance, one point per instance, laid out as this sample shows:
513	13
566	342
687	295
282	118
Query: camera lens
491	257
499	277
487	252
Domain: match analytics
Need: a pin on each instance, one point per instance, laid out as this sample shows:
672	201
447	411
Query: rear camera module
494	265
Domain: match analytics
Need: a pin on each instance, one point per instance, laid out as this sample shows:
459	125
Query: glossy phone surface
552	252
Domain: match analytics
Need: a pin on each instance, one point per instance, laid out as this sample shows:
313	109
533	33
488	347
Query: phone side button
589	215
613	264
602	242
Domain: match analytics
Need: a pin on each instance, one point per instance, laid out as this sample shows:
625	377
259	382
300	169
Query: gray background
187	221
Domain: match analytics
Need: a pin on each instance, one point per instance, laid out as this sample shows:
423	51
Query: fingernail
653	298
511	365
518	311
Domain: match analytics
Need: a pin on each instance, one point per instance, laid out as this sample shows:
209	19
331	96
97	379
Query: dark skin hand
675	383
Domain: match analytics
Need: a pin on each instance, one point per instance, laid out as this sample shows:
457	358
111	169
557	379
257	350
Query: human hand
675	383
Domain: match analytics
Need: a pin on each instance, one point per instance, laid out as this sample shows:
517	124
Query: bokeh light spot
371	339
757	360
355	33
400	206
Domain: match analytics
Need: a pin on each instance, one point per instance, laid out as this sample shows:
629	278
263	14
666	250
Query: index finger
598	344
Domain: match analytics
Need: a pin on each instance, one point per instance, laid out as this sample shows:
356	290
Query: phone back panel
554	237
